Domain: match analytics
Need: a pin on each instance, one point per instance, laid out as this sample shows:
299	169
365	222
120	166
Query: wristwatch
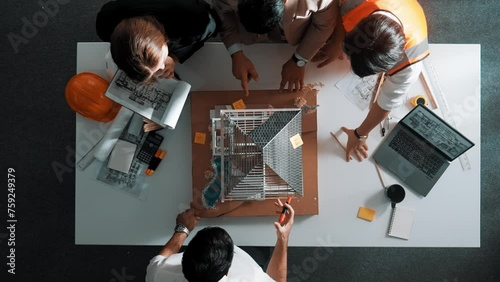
299	62
360	137
182	228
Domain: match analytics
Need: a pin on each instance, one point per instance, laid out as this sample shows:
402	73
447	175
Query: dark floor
39	130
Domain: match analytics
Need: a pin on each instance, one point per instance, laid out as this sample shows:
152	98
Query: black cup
395	193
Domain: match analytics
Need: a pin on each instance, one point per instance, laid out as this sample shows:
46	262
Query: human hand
292	75
328	53
355	145
150	125
283	230
188	219
168	69
244	70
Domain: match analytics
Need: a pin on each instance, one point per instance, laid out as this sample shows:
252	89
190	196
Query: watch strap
181	228
299	61
359	136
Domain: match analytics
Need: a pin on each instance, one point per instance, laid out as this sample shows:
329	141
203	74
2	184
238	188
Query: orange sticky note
366	213
296	141
239	105
199	138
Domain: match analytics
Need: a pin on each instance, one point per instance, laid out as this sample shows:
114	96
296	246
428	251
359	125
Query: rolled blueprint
174	108
104	147
161	102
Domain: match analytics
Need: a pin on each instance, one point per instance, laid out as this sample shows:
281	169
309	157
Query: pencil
379	86
379	174
338	141
428	89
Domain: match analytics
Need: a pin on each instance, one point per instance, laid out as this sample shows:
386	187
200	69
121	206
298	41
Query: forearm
229	21
374	117
173	245
338	34
277	267
319	31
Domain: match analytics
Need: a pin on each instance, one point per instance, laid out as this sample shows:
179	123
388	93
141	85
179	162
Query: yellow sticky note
366	213
199	138
239	105
296	141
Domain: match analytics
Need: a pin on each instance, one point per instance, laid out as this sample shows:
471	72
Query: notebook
420	148
401	222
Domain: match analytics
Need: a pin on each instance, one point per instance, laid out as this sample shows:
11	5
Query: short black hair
260	16
208	256
375	45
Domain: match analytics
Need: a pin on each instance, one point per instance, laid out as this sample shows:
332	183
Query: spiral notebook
401	222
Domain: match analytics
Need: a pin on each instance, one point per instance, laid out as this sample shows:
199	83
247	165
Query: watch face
301	63
182	228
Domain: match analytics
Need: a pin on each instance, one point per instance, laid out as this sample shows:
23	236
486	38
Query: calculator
149	148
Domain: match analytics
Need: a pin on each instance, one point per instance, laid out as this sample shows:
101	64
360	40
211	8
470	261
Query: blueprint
133	183
358	90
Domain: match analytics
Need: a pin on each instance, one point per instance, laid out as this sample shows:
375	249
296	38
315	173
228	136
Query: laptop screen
437	132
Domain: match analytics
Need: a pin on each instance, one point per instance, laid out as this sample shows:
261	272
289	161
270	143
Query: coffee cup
395	193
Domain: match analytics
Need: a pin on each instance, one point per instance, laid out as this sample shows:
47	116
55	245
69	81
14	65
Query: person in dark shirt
148	37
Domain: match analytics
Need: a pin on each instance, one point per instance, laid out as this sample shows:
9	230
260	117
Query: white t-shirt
396	86
243	269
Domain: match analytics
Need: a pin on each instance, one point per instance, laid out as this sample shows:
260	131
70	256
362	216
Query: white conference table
448	217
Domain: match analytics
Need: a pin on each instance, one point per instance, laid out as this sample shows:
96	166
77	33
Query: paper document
161	102
122	156
358	90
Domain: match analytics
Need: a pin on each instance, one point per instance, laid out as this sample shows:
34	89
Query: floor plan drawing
358	90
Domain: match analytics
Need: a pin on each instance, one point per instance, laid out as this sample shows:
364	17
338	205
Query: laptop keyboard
415	153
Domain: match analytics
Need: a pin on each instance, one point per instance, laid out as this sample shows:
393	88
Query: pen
283	212
385	125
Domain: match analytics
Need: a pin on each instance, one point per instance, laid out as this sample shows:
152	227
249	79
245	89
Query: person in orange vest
378	36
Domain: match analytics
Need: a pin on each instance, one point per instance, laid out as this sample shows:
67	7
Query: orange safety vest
409	12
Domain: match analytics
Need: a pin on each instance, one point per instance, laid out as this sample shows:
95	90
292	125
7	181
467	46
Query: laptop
420	148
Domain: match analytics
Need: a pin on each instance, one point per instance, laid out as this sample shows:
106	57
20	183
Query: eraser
366	213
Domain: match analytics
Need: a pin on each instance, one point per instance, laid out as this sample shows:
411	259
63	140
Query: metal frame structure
258	160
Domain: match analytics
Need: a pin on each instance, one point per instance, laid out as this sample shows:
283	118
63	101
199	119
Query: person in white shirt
211	255
378	36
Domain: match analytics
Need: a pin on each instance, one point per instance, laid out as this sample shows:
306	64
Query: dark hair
208	256
136	47
375	45
260	16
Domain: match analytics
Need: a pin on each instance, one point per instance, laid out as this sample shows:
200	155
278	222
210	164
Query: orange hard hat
85	95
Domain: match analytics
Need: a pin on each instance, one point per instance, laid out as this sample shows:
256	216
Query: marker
283	212
159	155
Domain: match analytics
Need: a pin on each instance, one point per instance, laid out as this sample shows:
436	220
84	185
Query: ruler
88	158
430	77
